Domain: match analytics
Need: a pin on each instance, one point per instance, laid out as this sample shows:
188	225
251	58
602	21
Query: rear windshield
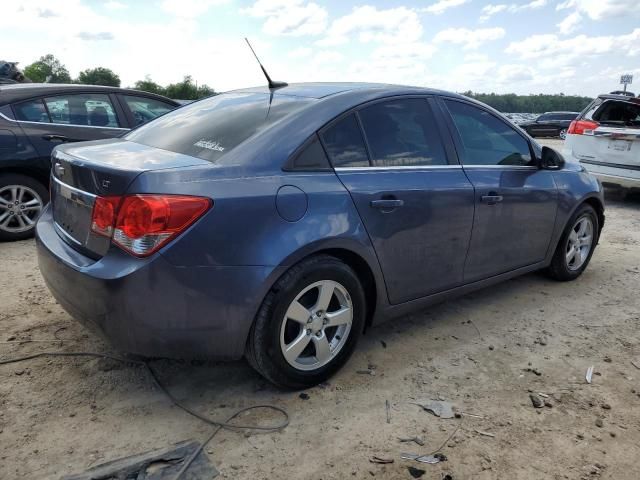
620	113
212	127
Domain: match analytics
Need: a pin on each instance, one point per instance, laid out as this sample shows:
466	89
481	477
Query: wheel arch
598	206
40	177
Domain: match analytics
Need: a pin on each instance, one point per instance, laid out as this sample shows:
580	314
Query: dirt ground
484	352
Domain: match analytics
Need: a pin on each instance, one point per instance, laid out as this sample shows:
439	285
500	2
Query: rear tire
308	324
572	257
563	134
22	199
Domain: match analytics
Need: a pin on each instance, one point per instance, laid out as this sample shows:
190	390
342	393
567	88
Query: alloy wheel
316	325
579	243
20	207
563	134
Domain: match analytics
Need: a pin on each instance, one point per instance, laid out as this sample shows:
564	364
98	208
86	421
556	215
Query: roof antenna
273	84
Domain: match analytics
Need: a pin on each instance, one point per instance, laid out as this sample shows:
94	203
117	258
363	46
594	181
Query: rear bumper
151	307
624	182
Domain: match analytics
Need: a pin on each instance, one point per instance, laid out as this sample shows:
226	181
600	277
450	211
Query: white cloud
469	39
113	5
570	23
188	8
578	47
439	7
391	26
490	10
602	9
515	73
300	52
289	17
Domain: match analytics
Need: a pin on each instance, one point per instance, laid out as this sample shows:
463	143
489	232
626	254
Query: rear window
212	127
614	112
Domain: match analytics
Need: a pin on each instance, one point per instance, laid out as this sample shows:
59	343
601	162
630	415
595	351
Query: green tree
148	85
512	103
99	76
187	89
48	68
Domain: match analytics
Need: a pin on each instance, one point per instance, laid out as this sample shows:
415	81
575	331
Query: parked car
550	124
605	138
34	118
278	224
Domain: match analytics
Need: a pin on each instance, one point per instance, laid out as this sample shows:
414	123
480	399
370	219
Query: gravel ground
485	352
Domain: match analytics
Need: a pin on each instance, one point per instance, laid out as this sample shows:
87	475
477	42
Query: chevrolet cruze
280	223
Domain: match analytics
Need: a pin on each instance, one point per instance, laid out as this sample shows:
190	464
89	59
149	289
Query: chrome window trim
506	167
397	168
62	124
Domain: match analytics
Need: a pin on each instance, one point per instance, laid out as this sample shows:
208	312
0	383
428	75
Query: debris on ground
599	423
486	434
366	372
536	401
589	374
157	464
439	408
387	407
416	440
380	460
304	396
430	459
383	343
416	472
636	363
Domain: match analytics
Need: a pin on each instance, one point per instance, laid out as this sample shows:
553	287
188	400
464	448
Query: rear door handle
387	204
56	138
492	198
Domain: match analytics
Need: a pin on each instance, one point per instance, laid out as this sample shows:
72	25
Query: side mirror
551	159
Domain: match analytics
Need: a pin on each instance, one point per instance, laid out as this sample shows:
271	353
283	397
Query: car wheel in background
562	134
22	199
308	324
576	246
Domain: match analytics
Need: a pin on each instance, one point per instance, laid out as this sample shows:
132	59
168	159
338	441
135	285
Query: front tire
308	324
22	199
576	246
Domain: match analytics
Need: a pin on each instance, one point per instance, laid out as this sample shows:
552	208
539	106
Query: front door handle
387	204
56	138
492	198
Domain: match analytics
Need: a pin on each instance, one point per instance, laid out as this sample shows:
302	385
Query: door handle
387	204
56	138
492	198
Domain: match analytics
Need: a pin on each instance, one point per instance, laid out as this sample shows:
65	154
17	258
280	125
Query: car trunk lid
82	172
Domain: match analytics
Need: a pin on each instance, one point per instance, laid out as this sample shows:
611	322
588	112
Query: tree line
512	103
49	69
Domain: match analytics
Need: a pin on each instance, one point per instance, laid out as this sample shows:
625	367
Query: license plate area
72	209
619	145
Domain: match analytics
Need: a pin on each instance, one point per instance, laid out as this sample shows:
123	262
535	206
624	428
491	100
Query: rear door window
402	133
31	111
344	143
210	128
84	109
486	139
145	109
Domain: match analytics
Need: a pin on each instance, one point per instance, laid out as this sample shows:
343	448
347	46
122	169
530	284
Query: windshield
210	128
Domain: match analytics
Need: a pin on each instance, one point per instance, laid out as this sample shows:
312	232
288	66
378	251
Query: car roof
320	90
22	91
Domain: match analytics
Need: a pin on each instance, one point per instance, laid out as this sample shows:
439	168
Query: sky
576	47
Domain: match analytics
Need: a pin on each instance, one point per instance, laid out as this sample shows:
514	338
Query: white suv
605	138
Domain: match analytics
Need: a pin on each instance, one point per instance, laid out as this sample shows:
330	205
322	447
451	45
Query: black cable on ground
219	425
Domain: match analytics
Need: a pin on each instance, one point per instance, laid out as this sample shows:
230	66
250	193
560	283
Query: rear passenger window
345	145
31	111
311	158
89	109
402	133
487	140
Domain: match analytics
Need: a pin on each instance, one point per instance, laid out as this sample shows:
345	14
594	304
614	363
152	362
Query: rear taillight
582	127
142	224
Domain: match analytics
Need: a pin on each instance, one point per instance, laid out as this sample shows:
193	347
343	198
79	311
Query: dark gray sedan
278	224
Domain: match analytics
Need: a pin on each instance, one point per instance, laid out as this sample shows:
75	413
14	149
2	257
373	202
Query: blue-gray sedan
278	224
